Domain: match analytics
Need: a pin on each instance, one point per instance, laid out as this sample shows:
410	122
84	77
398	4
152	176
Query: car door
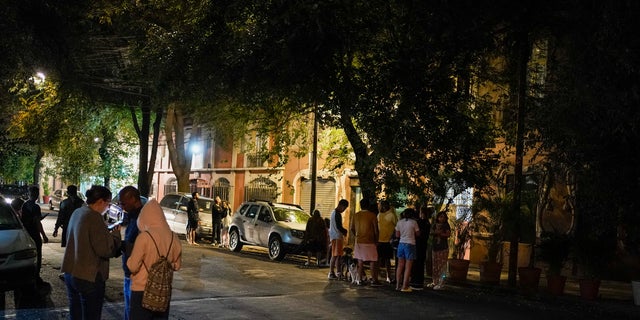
248	221
180	218
263	225
169	206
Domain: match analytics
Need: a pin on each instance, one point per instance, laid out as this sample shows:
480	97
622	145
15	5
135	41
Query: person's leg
91	297
136	311
127	296
407	273
399	273
75	306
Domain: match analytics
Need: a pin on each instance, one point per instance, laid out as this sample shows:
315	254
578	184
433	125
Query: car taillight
25	254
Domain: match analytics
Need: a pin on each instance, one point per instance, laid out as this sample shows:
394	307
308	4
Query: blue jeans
138	312
127	296
85	297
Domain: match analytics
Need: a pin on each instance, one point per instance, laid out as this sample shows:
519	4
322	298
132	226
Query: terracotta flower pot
589	288
529	279
490	272
555	284
458	269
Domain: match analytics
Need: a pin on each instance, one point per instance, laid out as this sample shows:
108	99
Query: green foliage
491	217
554	250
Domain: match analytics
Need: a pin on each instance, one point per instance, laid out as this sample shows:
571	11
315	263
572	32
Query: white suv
277	226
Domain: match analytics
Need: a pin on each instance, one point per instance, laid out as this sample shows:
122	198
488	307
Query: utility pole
522	56
314	160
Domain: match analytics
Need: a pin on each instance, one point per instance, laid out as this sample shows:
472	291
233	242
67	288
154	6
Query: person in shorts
337	233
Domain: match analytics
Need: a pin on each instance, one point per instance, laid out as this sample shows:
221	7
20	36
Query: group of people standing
90	244
220	218
373	231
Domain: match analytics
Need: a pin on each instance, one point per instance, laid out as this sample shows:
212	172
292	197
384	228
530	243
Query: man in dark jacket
67	207
31	219
131	203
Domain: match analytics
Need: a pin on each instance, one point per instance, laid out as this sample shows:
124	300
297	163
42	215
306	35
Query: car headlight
25	254
297	234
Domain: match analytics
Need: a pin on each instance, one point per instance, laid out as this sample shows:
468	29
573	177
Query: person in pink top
151	223
406	229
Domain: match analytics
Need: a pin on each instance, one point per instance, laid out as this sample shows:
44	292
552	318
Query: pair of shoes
431	285
406	289
391	280
416	288
339	276
376	284
438	287
332	276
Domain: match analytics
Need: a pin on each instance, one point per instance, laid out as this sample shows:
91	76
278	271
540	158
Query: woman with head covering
155	236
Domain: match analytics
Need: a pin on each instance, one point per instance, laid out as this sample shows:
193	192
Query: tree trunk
522	56
179	146
146	167
37	165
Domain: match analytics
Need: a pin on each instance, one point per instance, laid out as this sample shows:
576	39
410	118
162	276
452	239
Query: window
170	201
253	210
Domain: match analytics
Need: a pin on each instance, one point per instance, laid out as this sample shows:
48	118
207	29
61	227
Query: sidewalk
615	298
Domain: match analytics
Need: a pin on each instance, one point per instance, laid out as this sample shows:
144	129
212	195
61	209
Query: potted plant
458	265
592	257
45	191
489	214
554	251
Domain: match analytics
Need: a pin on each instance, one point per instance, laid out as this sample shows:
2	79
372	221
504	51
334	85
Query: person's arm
61	217
339	224
106	244
38	217
134	262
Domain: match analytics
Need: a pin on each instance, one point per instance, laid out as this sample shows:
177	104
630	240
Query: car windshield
290	215
8	219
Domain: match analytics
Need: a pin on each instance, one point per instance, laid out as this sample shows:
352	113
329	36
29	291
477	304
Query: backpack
157	290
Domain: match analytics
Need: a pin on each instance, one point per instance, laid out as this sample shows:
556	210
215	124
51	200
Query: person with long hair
441	231
406	229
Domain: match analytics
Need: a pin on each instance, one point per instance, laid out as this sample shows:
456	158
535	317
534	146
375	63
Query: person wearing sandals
441	231
406	229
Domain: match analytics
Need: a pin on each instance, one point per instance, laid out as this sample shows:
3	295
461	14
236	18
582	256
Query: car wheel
234	240
276	250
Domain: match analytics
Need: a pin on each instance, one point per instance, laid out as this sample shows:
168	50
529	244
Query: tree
366	64
588	119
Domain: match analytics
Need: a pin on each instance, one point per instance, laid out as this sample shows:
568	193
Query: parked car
174	206
12	191
115	212
18	255
59	195
277	226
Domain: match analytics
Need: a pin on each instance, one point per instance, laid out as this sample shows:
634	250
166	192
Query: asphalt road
218	284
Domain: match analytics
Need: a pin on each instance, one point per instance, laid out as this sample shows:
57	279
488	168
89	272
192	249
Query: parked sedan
59	195
12	191
279	227
18	256
174	206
